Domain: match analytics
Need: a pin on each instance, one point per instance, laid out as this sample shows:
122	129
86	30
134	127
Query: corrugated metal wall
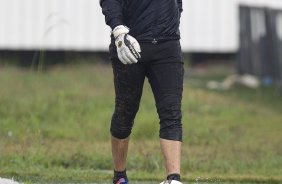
207	25
261	44
52	24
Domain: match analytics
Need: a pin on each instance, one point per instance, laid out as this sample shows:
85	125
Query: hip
164	51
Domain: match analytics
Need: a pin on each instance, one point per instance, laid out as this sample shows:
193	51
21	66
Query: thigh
128	82
166	81
166	76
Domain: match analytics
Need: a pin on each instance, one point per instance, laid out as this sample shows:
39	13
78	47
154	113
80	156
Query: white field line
7	181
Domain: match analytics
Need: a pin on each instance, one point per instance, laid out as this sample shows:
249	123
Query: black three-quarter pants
162	64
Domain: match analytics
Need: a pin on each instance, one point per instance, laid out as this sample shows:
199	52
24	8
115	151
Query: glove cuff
121	29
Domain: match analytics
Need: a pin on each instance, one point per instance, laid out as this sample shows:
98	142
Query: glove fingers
125	56
136	46
138	55
135	53
121	58
130	56
133	45
128	49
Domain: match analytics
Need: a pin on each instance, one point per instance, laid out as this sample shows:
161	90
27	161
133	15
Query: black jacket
148	20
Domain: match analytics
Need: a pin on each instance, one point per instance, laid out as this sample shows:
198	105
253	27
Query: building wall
52	24
209	26
206	25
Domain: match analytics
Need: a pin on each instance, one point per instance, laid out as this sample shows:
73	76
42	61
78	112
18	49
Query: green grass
54	126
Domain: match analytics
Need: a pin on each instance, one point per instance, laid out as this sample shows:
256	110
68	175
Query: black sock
173	177
118	175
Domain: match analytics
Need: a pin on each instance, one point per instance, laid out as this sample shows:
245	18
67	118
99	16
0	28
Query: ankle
174	176
118	175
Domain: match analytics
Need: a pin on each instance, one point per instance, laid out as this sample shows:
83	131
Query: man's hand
128	48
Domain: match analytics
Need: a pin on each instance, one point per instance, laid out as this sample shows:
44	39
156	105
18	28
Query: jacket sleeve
112	9
180	5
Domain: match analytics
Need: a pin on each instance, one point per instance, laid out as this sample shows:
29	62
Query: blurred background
57	97
247	32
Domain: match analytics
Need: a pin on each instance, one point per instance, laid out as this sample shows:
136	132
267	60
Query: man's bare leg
119	153
172	154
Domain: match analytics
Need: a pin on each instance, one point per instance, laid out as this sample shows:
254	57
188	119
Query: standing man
150	26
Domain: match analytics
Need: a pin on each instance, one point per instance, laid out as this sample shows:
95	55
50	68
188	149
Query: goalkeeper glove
128	48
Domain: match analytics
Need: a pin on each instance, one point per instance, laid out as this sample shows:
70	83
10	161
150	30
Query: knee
122	122
120	130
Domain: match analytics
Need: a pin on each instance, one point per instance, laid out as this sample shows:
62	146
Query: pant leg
165	74
128	82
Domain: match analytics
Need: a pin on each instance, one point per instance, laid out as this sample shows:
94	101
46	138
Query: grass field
54	126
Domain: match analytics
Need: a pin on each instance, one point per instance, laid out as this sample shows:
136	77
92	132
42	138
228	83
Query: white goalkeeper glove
128	48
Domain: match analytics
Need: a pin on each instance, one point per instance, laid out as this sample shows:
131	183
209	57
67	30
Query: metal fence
260	51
